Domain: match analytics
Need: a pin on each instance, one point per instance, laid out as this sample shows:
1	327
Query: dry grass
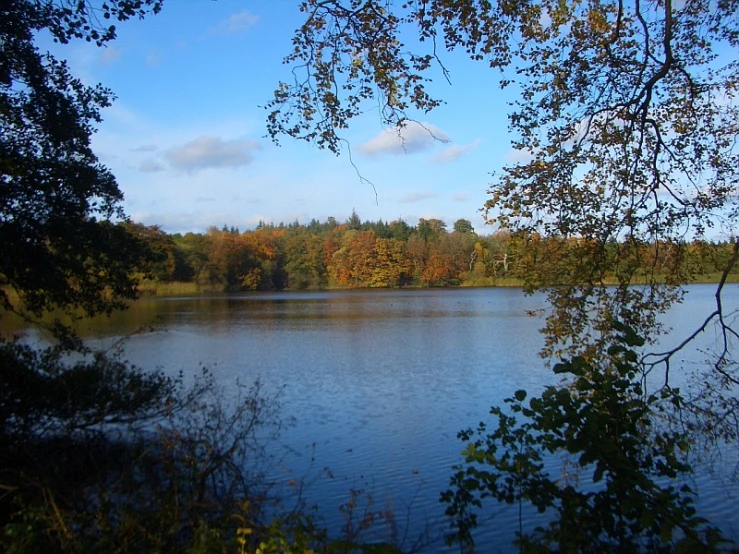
153	288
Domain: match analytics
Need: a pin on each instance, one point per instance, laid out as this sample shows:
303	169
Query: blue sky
186	135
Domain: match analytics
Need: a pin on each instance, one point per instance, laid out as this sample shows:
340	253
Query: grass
148	287
715	277
508	282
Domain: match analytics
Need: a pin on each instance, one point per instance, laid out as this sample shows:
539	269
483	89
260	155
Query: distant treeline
357	254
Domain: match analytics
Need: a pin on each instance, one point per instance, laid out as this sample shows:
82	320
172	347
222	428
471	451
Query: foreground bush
98	455
627	490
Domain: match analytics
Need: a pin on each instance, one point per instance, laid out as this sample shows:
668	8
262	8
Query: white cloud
150	166
460	197
410	138
212	152
110	54
235	23
454	152
416	197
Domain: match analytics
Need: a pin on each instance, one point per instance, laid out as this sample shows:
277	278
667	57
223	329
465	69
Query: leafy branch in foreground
632	496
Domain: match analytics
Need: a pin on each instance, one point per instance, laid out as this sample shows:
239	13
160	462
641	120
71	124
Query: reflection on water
379	382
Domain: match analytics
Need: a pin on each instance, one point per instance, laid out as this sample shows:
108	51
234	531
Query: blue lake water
379	383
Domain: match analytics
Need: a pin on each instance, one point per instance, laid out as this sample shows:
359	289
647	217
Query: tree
391	267
499	245
399	230
305	263
86	441
354	263
635	505
59	249
165	261
462	243
430	229
463	226
354	222
627	115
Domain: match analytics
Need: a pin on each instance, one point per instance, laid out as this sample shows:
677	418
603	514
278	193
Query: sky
186	135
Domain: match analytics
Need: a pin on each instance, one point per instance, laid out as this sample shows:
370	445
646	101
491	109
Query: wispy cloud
455	152
519	156
110	54
150	166
154	58
410	138
183	222
416	197
235	23
212	152
460	197
143	148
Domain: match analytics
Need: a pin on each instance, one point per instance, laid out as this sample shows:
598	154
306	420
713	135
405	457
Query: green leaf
563	367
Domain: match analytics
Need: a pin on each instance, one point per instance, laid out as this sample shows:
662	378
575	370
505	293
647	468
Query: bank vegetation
377	254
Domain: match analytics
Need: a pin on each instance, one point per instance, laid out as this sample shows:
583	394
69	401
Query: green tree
60	250
461	243
399	230
354	222
194	248
305	263
463	226
430	229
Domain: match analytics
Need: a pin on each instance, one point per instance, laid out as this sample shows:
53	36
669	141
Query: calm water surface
379	383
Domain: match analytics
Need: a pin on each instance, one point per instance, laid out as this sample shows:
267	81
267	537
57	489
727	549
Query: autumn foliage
369	254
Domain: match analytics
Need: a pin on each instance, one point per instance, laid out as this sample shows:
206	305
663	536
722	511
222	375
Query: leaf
563	367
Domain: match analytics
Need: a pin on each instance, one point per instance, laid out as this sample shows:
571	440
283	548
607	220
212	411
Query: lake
378	383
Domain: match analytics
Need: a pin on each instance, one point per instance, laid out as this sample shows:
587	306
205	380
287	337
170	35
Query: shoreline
149	289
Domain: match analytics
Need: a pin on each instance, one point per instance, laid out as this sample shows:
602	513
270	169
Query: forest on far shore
372	254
